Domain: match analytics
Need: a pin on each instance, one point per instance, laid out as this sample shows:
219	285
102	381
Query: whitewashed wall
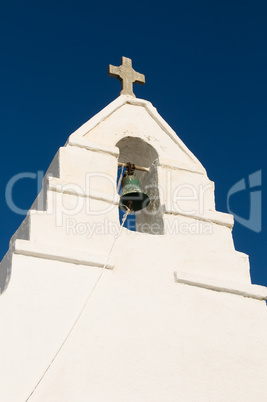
171	317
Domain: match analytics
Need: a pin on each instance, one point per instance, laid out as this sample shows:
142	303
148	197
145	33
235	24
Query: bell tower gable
130	117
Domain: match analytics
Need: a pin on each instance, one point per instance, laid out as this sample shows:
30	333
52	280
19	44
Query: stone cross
127	76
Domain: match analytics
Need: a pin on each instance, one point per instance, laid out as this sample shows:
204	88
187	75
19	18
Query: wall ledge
92	146
220	218
58	186
74	256
241	289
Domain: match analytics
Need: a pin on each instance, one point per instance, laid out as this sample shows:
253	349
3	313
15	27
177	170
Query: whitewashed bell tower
91	311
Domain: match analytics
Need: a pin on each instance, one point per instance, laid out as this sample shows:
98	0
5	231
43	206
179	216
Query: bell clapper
130	207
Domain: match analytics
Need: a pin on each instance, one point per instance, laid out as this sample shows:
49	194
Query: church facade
93	311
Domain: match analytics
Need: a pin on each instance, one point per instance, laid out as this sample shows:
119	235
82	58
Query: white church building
91	311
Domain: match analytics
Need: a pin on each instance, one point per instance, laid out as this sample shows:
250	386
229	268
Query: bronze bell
132	197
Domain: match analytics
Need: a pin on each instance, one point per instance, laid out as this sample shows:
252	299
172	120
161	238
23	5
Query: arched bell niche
137	151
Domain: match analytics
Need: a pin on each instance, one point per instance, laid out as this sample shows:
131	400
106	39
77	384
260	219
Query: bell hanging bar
144	169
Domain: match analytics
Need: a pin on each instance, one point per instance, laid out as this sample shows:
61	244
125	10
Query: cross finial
127	76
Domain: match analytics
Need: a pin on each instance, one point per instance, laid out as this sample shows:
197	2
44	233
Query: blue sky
205	64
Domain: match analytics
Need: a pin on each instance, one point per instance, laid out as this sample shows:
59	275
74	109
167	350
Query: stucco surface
92	313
